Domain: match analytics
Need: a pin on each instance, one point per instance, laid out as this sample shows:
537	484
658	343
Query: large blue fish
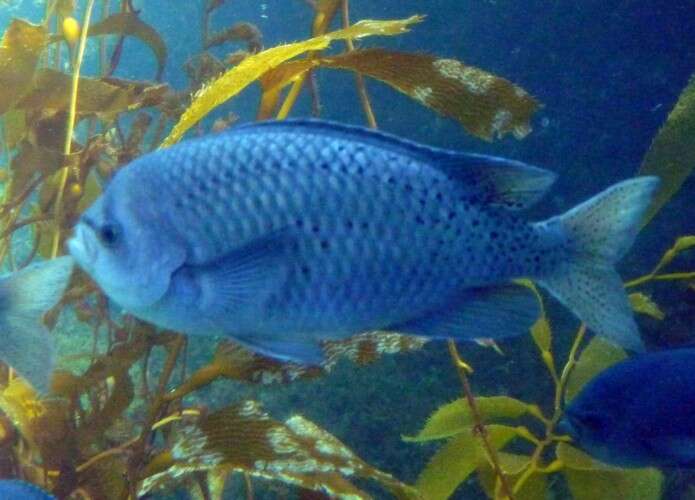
15	489
283	234
25	296
638	413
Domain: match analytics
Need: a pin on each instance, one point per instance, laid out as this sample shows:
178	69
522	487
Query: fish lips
82	246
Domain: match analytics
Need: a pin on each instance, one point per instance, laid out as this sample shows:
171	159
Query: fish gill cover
119	420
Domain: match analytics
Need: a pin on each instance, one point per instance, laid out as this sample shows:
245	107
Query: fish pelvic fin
25	296
597	233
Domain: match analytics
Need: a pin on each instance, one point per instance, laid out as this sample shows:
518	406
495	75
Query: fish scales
282	234
385	227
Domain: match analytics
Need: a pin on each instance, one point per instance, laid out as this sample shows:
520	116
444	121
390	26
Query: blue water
607	72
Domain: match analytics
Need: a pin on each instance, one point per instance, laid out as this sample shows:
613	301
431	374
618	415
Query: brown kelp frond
235	362
245	32
506	420
129	23
243	438
20	49
250	69
486	105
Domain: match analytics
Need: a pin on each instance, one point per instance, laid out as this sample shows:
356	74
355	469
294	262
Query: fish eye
109	234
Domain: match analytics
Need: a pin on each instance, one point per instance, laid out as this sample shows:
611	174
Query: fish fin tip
497	181
493	312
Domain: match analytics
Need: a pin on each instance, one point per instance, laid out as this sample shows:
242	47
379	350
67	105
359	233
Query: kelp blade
486	105
671	155
128	23
252	68
242	437
20	49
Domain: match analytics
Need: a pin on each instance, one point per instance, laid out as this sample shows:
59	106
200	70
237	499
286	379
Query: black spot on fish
476	222
391	180
324	244
349	224
419	220
299	222
451	215
439	196
315	228
494	235
408	188
305	271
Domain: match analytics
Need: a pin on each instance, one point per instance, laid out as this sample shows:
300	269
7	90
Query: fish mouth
81	246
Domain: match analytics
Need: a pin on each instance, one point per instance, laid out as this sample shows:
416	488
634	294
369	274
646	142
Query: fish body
283	234
25	296
15	489
639	412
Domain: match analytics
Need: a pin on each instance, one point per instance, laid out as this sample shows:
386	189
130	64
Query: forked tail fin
25	296
597	233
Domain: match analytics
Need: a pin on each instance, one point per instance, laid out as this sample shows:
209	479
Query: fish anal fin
492	312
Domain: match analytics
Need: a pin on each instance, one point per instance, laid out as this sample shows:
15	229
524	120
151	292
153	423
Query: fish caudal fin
25	296
598	233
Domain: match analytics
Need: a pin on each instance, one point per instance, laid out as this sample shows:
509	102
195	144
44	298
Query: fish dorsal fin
490	179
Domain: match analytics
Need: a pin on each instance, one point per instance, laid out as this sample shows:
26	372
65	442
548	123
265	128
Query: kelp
671	155
510	421
250	69
487	106
20	49
129	23
235	362
243	438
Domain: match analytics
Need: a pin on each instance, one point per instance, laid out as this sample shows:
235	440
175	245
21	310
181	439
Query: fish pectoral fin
675	451
491	312
247	275
303	352
498	181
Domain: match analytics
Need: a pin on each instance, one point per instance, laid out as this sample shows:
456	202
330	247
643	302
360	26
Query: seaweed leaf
513	465
243	437
486	105
253	67
457	460
455	417
589	479
129	23
643	304
671	155
105	97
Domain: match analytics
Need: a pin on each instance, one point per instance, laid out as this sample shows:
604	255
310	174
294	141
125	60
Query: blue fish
284	234
639	412
15	489
25	296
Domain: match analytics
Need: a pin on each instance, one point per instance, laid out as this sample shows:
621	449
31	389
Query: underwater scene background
136	412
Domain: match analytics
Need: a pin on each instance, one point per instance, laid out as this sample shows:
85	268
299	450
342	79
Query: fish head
127	257
602	429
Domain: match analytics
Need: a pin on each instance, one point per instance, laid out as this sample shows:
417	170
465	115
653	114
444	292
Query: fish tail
25	296
597	233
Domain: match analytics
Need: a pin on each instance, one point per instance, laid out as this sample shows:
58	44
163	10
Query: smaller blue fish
15	489
638	413
25	296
